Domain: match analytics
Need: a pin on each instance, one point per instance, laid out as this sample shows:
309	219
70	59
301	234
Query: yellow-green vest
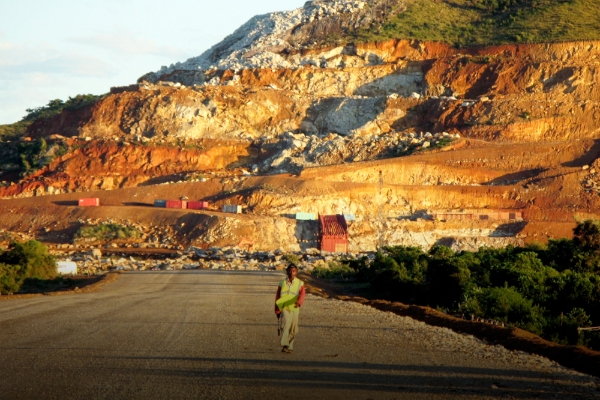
289	295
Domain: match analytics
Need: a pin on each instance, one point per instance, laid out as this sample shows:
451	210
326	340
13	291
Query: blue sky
61	48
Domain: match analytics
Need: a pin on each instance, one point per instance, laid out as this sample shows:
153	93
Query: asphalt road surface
213	335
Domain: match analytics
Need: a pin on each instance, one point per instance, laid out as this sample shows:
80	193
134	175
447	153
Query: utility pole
380	214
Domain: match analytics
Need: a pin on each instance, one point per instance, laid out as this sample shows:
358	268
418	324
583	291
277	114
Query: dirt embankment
109	165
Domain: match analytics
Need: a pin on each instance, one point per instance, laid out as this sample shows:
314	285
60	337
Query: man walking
289	299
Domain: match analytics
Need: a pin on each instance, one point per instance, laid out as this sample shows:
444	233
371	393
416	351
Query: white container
66	268
232	209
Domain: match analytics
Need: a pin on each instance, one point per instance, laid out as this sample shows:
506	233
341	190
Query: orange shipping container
89	202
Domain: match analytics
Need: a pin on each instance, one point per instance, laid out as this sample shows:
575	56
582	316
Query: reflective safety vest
289	295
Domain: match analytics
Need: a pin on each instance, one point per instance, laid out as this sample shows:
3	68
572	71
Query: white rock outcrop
258	43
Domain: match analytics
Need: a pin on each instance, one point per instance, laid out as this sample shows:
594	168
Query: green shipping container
306	216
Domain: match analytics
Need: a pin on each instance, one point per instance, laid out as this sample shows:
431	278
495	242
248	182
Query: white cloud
45	59
6	45
128	43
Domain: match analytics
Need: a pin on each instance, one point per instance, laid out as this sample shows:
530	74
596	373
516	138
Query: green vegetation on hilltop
549	290
23	263
23	157
482	22
54	107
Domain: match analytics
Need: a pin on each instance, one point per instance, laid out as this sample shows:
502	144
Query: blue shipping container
160	203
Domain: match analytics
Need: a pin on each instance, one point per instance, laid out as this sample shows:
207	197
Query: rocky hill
284	116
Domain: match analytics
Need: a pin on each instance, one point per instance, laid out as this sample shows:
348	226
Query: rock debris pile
299	151
95	261
259	42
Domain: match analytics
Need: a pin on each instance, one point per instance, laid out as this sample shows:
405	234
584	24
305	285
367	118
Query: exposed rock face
510	93
502	127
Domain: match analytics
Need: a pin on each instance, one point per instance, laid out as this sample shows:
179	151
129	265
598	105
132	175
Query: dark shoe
285	350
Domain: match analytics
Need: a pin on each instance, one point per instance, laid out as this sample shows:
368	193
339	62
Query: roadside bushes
549	290
334	271
22	262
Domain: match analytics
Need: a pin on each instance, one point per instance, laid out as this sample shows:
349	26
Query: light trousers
290	328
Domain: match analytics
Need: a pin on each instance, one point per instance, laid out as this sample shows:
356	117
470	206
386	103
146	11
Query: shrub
334	271
507	305
291	258
24	261
448	280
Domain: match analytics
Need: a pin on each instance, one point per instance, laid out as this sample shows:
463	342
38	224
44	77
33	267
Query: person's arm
301	296
277	296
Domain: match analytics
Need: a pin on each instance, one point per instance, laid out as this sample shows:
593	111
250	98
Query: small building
89	202
333	233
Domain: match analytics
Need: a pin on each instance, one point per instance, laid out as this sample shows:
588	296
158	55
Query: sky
60	48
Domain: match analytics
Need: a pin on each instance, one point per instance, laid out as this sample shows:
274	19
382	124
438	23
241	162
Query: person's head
292	271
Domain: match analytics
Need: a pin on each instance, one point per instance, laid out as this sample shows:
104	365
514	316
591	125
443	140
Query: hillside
280	118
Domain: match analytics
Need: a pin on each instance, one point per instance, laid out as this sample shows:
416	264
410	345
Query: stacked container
302	216
89	202
333	233
176	204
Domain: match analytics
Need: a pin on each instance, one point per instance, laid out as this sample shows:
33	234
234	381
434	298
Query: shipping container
306	216
66	268
176	204
334	245
160	203
349	217
232	209
197	205
89	202
333	232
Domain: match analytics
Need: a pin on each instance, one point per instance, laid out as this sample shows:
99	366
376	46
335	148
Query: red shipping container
176	204
197	205
333	233
89	202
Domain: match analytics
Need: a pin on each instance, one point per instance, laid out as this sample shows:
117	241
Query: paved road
213	335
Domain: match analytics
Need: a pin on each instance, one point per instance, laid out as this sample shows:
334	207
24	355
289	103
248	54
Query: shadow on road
307	375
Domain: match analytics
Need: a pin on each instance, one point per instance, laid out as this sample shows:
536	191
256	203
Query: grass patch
105	232
483	22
